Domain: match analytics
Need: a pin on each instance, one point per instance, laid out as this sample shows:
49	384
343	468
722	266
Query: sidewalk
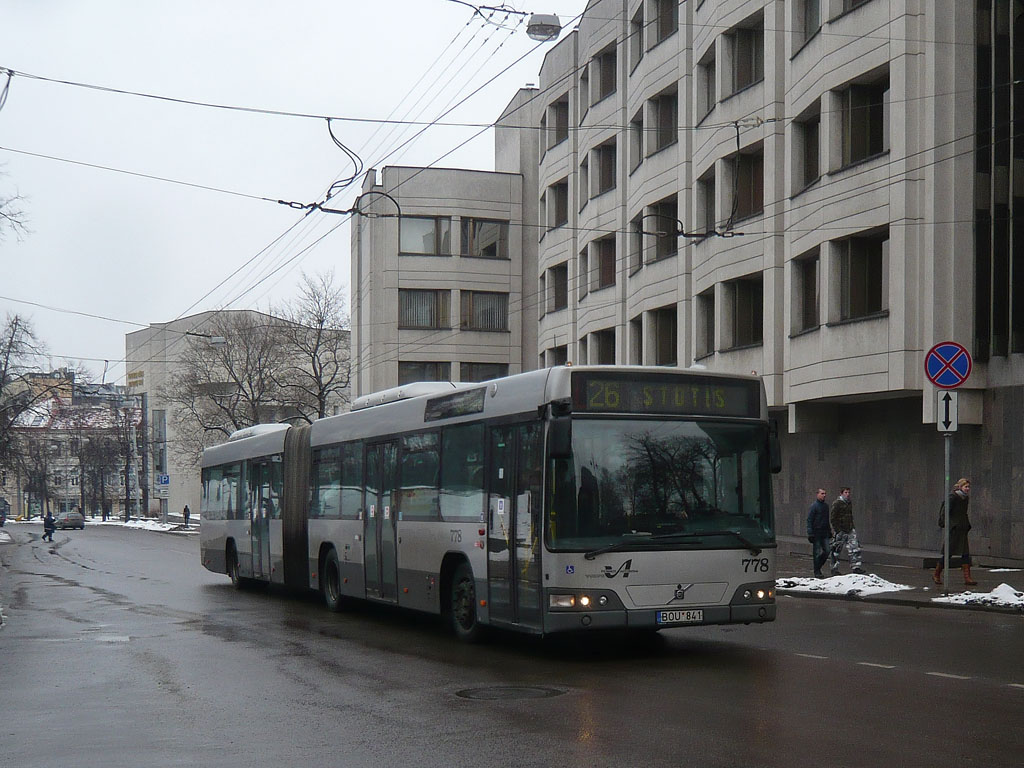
888	569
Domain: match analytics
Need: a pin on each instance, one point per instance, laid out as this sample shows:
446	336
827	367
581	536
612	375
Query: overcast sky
144	250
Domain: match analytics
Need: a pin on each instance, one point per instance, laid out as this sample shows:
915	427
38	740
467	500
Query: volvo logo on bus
681	591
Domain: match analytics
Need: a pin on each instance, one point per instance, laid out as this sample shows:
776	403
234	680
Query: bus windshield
661	484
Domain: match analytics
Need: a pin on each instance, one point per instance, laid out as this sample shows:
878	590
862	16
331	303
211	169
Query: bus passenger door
261	508
379	540
514	515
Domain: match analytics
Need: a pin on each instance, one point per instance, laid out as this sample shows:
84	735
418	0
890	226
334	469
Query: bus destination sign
655	393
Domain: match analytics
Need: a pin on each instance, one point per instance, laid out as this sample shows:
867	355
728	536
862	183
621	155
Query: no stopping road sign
947	365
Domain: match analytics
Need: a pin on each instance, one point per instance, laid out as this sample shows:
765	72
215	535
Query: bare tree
227	380
12	215
19	353
315	377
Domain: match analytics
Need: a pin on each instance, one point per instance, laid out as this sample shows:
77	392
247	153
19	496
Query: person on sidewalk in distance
819	531
49	526
843	533
959	525
185	513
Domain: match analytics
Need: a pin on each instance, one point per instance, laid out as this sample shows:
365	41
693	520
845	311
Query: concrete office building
814	190
440	294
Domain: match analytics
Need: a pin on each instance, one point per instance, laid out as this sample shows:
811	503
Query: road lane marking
947	675
879	666
1015	685
811	656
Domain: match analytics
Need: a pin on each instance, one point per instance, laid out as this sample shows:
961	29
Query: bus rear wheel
330	582
462	606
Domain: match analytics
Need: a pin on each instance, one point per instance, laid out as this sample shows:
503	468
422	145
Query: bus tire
462	605
330	582
232	568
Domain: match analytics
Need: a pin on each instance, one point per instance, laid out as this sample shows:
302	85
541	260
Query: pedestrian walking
819	531
49	526
185	513
844	534
959	525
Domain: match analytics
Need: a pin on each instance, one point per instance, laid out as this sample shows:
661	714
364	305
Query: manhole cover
510	692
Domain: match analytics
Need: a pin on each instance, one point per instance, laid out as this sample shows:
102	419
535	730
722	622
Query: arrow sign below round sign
947	365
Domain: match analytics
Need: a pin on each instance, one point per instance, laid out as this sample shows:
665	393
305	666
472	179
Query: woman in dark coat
959	525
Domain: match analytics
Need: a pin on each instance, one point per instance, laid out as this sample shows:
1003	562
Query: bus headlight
562	601
584	601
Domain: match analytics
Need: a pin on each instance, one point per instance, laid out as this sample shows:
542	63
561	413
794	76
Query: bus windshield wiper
754	549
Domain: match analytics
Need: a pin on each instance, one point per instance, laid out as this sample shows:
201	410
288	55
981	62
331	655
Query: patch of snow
5	537
854	584
1003	596
1004	570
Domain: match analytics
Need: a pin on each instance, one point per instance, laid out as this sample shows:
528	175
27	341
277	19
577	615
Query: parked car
72	519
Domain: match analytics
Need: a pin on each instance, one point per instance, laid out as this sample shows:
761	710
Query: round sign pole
947	365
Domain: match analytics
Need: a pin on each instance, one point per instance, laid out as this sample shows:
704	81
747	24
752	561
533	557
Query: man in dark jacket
819	531
843	533
49	526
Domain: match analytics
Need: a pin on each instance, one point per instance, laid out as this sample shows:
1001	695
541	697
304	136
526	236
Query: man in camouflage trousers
843	533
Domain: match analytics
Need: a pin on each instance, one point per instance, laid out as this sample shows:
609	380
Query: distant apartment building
817	191
153	359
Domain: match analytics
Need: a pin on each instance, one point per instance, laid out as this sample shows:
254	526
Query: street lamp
543	27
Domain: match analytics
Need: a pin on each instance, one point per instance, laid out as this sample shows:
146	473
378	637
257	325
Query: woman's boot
967	576
937	576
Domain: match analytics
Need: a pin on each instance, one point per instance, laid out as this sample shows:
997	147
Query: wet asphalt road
118	649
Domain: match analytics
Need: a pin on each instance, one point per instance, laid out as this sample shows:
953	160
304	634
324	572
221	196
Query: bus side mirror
560	438
774	448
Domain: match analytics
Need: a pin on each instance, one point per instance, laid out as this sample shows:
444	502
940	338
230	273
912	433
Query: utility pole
146	479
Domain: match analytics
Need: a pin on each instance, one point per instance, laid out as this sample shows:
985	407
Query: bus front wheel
462	605
330	581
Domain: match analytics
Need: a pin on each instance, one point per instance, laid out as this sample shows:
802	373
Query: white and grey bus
568	498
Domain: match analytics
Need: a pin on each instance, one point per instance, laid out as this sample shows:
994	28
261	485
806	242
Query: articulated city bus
563	499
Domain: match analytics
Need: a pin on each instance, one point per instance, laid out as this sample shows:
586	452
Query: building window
542	294
485	239
584	183
482	371
424	309
636	38
664	215
636	340
581	351
605	65
809	134
410	372
849	5
636	244
666	20
584	276
484	311
558	204
558	355
807	290
706	220
865	111
747	298
425	235
706	322
605	262
605	156
861	261
707	93
558	285
665	335
558	122
584	100
748	56
636	140
665	113
811	18
604	347
749	170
